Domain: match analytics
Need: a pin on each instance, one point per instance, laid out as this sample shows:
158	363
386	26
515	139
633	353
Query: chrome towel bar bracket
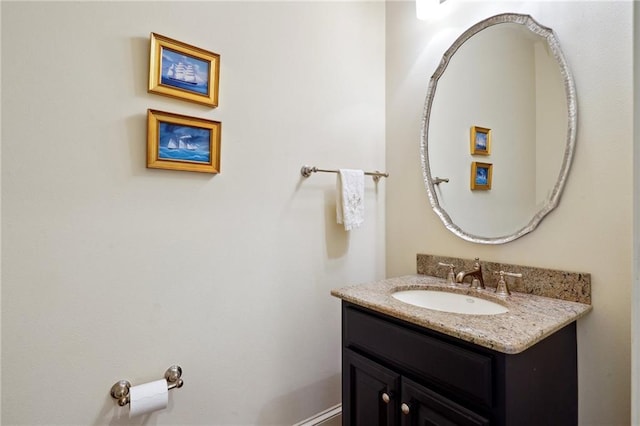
120	390
438	180
307	170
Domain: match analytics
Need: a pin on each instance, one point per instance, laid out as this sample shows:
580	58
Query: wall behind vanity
591	230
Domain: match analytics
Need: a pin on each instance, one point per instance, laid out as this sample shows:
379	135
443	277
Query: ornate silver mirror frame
554	197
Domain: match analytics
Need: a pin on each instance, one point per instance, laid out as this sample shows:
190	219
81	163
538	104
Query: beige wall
591	230
113	271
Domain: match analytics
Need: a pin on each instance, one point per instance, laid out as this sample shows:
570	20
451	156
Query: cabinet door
369	392
421	406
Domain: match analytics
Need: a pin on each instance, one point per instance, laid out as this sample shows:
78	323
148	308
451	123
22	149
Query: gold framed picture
481	174
480	141
183	71
179	142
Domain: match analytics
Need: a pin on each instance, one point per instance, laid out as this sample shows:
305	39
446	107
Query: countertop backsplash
563	285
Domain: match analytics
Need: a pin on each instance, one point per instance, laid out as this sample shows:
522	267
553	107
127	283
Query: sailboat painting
183	71
180	142
184	143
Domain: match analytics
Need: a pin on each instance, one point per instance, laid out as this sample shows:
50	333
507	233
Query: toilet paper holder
120	390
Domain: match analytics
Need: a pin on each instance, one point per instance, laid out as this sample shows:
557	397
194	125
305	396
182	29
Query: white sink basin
449	302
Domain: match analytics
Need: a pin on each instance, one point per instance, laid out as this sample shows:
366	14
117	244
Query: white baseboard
323	417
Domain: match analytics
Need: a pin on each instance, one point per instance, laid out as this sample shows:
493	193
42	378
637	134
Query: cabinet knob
386	398
405	409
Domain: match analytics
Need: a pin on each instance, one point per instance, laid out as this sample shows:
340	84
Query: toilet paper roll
148	397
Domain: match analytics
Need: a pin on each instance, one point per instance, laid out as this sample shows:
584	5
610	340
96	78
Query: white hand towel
350	198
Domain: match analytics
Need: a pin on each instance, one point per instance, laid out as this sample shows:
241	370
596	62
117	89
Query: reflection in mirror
504	98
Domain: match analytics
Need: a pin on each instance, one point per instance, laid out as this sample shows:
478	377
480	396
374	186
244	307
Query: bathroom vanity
405	365
408	365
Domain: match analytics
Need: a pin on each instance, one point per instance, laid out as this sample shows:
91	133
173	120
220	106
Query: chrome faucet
477	281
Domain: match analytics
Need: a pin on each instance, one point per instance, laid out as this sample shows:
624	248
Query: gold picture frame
180	142
182	71
480	140
481	175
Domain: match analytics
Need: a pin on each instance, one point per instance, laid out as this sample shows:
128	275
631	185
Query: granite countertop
530	318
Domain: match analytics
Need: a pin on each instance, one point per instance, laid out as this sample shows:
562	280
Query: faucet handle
502	289
512	274
451	275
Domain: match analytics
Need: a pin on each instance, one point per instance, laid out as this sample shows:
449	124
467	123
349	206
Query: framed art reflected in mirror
481	176
480	141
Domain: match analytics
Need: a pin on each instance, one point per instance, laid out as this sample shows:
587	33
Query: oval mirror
498	130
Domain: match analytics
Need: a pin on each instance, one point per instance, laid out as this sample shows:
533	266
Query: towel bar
307	170
438	180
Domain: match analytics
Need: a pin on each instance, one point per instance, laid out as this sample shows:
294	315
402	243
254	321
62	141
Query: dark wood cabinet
372	390
377	394
396	373
426	407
